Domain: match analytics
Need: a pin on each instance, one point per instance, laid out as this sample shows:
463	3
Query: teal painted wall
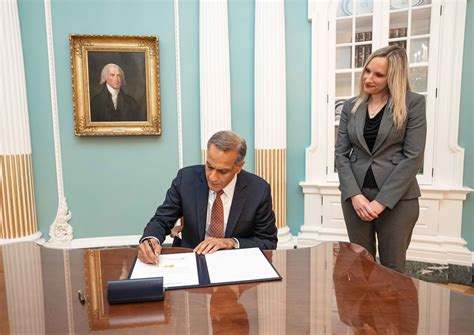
298	106
189	53
113	185
241	15
466	122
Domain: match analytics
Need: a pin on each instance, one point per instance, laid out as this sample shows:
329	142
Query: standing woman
379	150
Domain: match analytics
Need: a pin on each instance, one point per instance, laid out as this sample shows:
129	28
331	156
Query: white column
24	288
17	203
214	69
270	106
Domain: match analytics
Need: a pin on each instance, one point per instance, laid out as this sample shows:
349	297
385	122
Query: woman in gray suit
379	150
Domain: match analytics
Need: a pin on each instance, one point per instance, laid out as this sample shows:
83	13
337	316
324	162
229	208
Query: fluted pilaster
270	106
214	68
18	212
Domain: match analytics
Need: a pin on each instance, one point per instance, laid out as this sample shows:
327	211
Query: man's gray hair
227	140
105	71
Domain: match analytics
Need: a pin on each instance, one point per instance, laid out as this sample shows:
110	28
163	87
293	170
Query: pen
151	246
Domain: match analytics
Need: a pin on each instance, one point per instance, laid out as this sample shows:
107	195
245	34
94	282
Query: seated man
223	206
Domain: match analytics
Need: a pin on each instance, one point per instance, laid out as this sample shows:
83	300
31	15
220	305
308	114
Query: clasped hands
149	250
365	209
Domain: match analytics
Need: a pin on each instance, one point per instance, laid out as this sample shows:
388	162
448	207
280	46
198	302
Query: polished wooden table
333	288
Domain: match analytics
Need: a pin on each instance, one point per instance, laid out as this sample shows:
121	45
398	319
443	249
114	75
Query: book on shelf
397	32
362	53
364	36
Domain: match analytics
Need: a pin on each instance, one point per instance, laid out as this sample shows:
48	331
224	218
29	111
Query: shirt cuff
237	244
150	238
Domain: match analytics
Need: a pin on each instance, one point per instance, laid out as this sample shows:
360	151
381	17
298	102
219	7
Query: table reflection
372	299
103	265
333	288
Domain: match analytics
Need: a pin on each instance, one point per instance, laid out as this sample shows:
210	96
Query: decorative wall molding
60	230
214	69
178	83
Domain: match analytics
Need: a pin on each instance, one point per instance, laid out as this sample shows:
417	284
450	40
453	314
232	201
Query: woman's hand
363	208
377	207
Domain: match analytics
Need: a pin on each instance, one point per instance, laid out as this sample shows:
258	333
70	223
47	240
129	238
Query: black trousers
392	229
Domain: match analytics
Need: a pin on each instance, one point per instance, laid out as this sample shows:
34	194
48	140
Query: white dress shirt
114	93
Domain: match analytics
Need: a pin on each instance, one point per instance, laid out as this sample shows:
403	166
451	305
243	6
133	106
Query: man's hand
149	251
363	209
213	244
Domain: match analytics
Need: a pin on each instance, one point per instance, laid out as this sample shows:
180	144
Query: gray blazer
397	155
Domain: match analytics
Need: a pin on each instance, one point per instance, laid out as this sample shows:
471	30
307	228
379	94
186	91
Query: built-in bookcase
344	33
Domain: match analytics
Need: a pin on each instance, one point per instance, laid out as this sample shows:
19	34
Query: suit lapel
238	202
385	125
359	124
202	196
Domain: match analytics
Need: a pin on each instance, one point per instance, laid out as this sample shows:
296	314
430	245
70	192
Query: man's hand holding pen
149	251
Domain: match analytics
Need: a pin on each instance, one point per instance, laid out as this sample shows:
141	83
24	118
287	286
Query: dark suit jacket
103	110
251	218
397	154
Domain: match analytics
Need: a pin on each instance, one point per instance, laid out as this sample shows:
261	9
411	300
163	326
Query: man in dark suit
222	205
112	103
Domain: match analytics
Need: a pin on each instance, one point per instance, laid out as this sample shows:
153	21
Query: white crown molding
60	230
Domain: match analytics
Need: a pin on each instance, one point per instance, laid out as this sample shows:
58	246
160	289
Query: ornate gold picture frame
116	85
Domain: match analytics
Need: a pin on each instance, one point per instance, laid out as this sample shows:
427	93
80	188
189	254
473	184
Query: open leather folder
186	270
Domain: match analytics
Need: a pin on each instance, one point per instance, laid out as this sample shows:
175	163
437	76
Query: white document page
176	270
226	266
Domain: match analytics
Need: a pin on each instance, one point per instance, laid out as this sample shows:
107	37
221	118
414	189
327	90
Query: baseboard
35	237
98	242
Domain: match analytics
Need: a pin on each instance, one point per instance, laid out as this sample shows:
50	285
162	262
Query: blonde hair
397	82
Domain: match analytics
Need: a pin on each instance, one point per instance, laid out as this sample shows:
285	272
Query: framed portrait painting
116	85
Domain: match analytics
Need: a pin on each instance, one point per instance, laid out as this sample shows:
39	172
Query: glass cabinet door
354	43
409	26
